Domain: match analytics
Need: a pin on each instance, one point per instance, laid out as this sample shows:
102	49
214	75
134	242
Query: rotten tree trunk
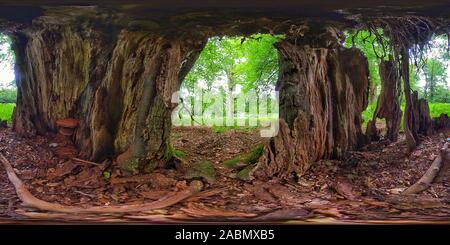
425	122
443	121
323	90
117	84
388	105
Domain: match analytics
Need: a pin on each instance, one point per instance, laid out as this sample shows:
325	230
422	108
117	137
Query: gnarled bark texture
323	90
117	83
388	104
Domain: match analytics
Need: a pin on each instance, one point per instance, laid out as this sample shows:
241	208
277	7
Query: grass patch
244	174
436	109
170	154
246	158
6	111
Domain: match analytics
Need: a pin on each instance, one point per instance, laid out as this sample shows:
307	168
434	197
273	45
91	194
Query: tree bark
408	119
425	122
388	105
118	84
441	122
323	90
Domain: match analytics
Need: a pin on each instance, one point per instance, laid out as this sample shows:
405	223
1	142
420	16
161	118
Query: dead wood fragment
66	216
333	212
202	211
31	201
85	161
285	214
430	174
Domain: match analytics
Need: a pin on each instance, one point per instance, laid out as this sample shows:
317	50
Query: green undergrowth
246	158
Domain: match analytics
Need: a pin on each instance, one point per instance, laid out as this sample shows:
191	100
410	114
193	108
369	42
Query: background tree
435	75
226	62
8	93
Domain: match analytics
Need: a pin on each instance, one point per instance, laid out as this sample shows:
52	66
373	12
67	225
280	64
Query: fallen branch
85	161
33	202
430	174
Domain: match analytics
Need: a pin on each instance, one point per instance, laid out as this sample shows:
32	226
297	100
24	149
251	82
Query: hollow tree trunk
409	120
118	84
388	105
323	90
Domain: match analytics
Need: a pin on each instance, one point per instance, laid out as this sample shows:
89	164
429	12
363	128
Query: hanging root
31	201
431	173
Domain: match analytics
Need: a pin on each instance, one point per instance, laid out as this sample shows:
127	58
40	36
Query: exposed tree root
33	202
430	174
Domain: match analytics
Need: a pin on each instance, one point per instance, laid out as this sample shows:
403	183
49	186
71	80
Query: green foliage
6	53
244	174
224	63
373	51
433	72
246	158
178	153
106	175
6	60
170	153
6	111
260	67
249	61
435	80
436	109
8	95
254	155
231	163
367	114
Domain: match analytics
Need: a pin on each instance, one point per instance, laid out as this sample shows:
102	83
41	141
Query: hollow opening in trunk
8	88
226	102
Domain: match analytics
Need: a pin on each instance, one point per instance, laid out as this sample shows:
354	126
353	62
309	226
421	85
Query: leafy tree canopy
6	54
251	62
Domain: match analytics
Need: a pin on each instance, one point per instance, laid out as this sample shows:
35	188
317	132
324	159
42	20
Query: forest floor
363	188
